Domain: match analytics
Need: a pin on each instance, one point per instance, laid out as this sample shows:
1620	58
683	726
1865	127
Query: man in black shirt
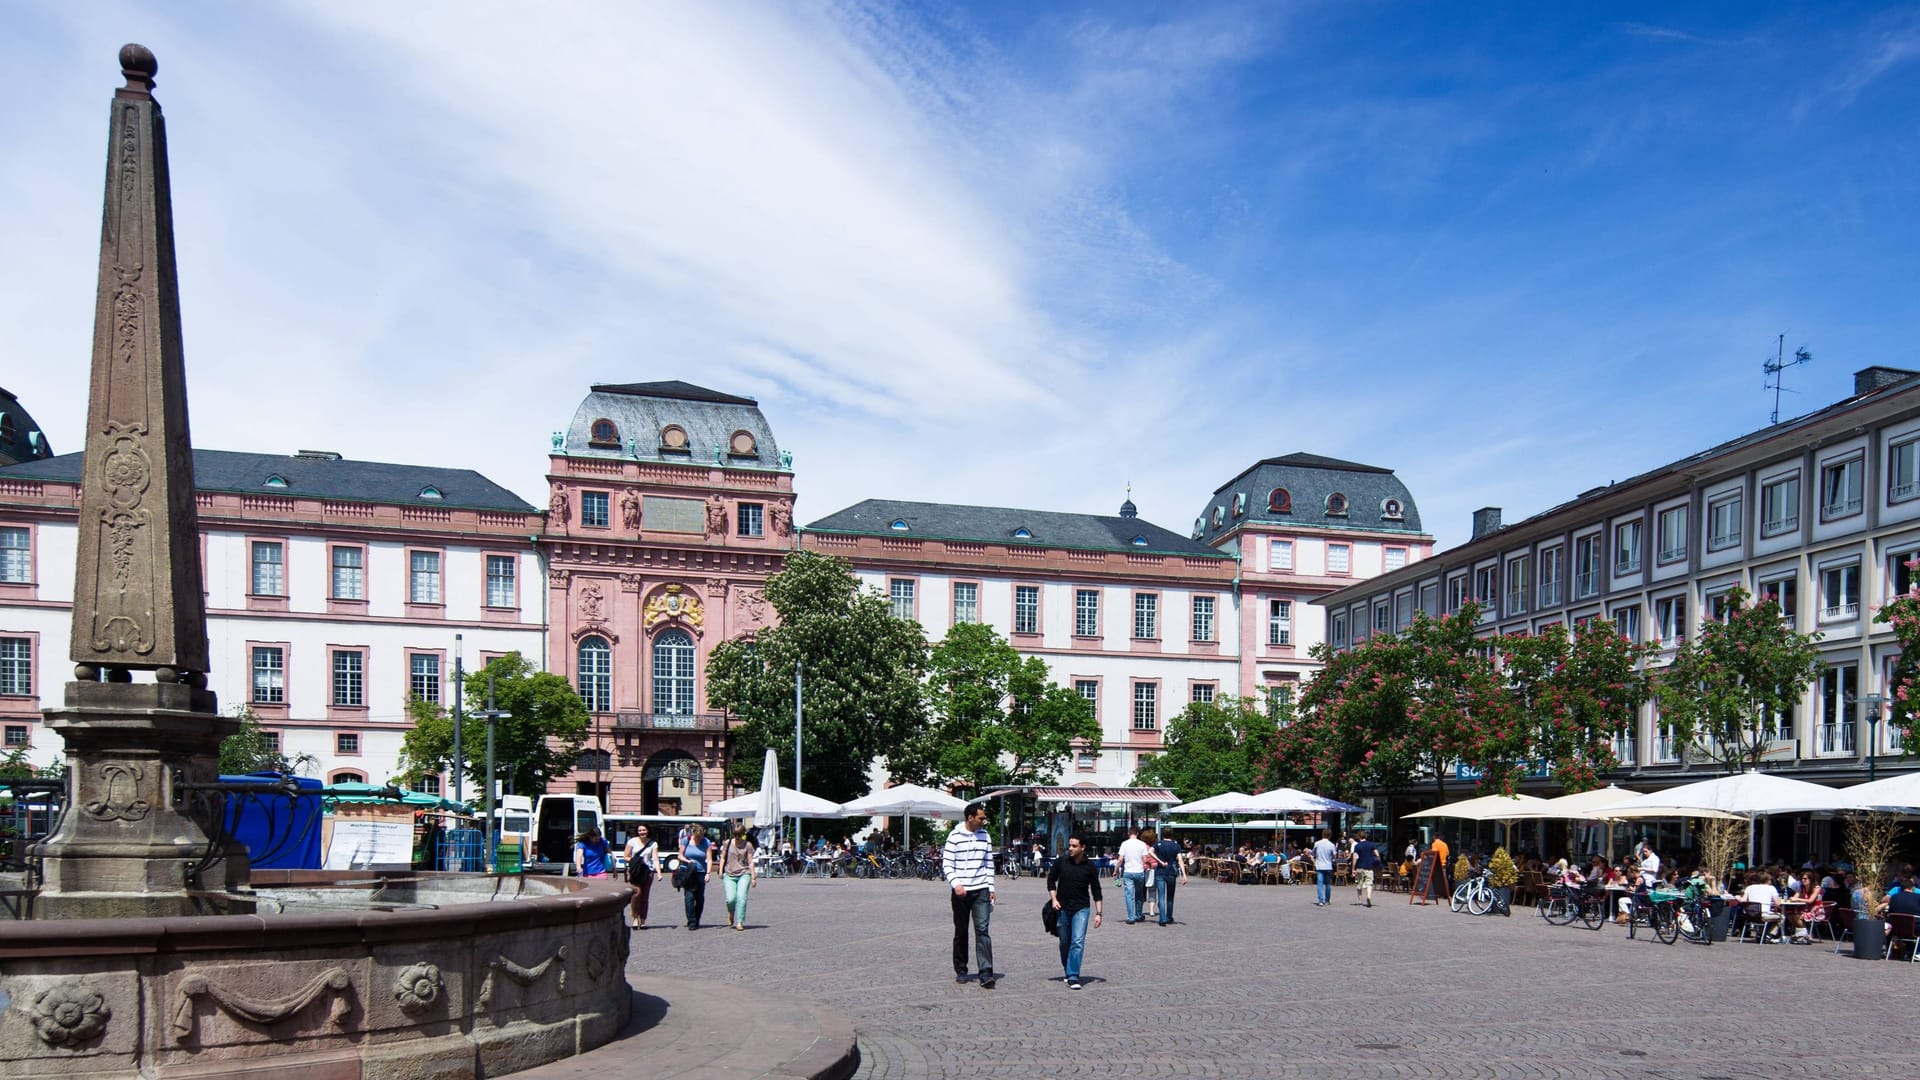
1172	872
1074	885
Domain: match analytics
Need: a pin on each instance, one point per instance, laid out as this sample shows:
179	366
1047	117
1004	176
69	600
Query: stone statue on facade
630	510
716	516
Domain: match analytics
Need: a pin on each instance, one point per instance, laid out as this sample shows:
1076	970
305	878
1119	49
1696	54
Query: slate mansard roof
1000	524
20	436
641	413
314	476
1368	497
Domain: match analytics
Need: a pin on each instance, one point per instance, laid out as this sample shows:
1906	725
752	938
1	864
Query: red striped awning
1156	795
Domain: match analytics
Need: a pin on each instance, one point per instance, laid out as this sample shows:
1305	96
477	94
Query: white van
557	819
513	824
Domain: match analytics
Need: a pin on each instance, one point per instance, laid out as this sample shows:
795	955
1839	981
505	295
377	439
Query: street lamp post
1873	703
459	692
492	715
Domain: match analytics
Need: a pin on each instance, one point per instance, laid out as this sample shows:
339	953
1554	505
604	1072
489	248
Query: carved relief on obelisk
138	601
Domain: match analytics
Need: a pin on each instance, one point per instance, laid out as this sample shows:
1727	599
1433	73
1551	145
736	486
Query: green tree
861	667
540	741
1215	746
253	749
1726	685
1903	685
997	717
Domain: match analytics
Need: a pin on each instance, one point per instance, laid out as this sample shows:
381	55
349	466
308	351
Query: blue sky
1017	254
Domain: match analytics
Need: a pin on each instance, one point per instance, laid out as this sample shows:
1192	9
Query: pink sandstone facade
669	507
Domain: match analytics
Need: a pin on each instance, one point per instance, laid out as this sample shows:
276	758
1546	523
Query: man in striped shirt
967	862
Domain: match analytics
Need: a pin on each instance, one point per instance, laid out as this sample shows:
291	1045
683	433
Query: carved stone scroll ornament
418	987
716	586
334	980
597	955
525	976
119	793
70	1014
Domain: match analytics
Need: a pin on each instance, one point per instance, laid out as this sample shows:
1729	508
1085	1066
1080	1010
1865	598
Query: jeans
1073	939
1163	886
975	907
1323	885
1132	885
695	898
734	887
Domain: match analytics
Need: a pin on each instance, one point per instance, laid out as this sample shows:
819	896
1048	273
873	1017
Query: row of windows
673	673
902	592
347	676
1280	501
347	579
596	512
1339	557
1838	582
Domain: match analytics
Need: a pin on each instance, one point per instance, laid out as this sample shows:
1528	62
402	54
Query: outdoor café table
1793	910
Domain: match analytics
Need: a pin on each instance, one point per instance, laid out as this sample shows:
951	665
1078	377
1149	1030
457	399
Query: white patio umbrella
1580	806
908	799
1750	795
1485	808
793	804
1288	800
1897	793
1232	803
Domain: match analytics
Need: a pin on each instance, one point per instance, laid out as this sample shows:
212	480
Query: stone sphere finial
137	63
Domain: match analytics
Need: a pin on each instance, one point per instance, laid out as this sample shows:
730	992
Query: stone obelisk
131	832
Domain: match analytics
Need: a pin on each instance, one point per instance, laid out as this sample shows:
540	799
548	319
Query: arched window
275	481
742	444
1023	533
604	432
1279	501
899	525
1391	510
673	437
431	493
1239	504
596	674
347	778
7	429
673	673
1336	505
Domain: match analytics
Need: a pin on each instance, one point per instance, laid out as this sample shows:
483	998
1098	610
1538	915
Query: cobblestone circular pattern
1254	981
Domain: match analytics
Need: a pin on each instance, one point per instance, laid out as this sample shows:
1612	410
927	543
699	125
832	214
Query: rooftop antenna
1776	370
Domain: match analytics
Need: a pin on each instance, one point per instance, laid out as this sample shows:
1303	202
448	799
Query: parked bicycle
1565	903
1475	894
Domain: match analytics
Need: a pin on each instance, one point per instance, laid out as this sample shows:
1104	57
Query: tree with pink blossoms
1903	685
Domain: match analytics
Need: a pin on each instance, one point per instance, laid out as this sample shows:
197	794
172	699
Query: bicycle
1474	894
1569	902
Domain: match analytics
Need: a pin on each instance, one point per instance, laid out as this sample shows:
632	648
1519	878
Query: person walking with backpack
692	876
967	863
1073	885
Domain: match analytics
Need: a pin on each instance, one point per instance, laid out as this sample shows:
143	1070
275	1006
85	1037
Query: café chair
1900	928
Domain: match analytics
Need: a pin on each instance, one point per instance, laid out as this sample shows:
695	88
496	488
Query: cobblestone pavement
1255	981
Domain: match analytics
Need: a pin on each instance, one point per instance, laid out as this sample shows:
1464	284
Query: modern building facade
1138	619
335	590
669	506
1820	512
1303	526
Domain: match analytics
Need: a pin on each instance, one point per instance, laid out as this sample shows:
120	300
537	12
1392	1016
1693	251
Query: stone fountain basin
414	976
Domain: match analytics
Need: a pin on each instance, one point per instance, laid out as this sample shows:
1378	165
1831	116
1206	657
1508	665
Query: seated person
1766	900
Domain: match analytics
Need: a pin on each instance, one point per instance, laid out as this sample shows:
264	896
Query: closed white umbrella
766	810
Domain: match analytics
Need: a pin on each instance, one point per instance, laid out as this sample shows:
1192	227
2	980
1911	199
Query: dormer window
1240	504
1390	510
1279	501
1336	505
673	439
604	433
275	481
1138	541
1199	527
432	493
1219	514
7	429
742	444
1023	533
899	525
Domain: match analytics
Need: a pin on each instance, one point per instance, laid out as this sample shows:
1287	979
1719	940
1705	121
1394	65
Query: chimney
1486	521
1867	380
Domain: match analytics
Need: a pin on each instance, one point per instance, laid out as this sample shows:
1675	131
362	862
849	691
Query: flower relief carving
631	582
70	1014
560	577
418	987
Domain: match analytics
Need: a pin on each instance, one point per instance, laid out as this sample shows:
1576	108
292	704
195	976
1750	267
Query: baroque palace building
1821	512
336	588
